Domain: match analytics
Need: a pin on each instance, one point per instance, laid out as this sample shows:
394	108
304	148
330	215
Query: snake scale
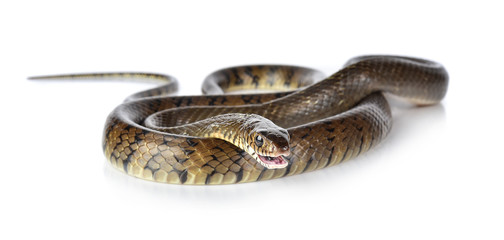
224	139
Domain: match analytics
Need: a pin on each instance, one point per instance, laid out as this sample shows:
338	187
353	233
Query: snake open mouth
273	162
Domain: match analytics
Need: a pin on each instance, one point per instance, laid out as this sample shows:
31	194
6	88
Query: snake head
267	143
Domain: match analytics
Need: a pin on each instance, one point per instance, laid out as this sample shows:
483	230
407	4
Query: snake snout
281	150
285	151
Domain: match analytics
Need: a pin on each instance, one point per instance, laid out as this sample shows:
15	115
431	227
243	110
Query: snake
306	121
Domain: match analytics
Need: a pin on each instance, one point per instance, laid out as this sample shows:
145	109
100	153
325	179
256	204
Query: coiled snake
222	139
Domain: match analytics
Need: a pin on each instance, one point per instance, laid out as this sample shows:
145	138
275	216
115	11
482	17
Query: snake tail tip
36	78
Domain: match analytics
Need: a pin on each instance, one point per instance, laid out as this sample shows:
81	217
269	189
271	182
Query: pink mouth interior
273	160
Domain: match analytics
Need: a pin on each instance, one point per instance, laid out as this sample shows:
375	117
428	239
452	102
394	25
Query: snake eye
258	141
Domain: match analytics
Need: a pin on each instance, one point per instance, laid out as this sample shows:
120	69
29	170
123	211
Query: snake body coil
170	139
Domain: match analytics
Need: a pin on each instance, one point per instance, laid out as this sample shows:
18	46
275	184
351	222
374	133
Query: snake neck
266	142
228	127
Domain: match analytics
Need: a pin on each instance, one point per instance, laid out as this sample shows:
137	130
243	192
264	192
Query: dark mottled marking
247	99
125	163
149	167
360	146
255	81
226	78
282	94
261	174
188	152
216	100
331	139
153	105
288	78
243	153
239	80
271	73
239	175
290	74
330	129
207	180
329	159
191	143
212	101
308	164
248	72
288	168
180	160
189	102
223	100
344	155
272	70
371	142
181	103
183	176
304	136
235	137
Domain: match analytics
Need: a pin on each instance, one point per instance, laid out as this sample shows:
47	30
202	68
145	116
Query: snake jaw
272	162
274	157
269	162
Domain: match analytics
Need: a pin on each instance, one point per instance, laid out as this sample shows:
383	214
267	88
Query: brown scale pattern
329	122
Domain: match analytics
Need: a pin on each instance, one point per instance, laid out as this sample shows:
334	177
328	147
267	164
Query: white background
439	174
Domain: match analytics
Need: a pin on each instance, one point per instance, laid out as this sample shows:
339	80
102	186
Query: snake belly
330	121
